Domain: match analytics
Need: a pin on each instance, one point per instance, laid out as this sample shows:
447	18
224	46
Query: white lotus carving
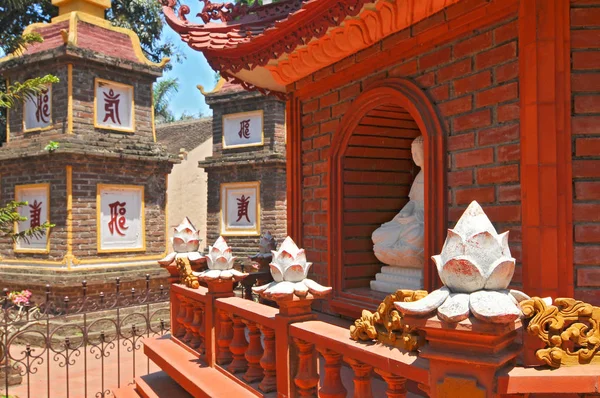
185	241
220	261
476	268
289	269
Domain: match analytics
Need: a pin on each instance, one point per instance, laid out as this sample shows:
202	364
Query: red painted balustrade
225	346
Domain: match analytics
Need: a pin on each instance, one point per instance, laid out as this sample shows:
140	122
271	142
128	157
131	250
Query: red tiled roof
260	34
51	35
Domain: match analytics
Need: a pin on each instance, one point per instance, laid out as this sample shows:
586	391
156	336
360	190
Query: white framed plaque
37	212
37	110
113	106
121	224
240	208
243	129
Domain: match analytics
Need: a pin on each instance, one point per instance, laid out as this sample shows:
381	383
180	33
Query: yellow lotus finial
95	8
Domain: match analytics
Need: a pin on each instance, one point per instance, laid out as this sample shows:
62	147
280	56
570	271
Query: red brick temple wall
585	85
472	80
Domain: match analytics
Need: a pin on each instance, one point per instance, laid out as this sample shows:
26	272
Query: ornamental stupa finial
95	8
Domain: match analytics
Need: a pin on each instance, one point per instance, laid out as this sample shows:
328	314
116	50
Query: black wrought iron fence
78	347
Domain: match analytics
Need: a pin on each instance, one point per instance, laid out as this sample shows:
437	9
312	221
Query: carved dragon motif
386	325
570	330
186	276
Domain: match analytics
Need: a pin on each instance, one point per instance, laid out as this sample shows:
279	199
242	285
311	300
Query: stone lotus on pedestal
476	268
289	269
186	241
220	263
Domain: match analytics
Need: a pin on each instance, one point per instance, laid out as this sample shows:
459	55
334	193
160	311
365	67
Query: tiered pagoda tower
246	172
104	187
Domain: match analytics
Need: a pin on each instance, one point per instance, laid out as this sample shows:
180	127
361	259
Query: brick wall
272	204
260	163
585	85
473	83
87	173
84	75
243	101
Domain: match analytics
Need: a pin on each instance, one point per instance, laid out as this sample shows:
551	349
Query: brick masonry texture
87	173
96	156
265	164
473	83
585	126
84	75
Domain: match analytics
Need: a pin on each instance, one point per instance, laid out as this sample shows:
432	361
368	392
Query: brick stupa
104	187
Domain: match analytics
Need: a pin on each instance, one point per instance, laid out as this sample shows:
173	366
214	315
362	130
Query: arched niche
371	171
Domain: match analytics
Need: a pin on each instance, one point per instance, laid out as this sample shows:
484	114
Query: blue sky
192	71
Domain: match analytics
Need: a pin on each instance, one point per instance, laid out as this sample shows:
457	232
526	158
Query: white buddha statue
399	243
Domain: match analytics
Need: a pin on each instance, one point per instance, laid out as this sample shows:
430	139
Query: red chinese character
245	129
35	214
243	207
117	218
42	108
111	106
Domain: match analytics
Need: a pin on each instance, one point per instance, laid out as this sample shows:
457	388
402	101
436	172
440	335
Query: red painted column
546	177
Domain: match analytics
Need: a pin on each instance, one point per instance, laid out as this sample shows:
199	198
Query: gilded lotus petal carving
476	262
289	269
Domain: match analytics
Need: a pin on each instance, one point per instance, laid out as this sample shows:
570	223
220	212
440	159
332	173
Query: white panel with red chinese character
114	106
121	218
243	129
37	110
36	212
240	209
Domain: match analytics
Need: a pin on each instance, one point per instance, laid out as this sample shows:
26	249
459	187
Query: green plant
52	146
163	90
9	215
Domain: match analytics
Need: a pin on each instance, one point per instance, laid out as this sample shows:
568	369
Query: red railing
288	352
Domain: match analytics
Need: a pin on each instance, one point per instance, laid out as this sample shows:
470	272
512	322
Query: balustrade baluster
332	386
187	322
362	378
201	331
180	330
267	362
396	384
224	340
238	346
307	377
253	354
196	326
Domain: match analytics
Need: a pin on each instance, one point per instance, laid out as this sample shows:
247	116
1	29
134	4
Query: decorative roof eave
318	34
353	35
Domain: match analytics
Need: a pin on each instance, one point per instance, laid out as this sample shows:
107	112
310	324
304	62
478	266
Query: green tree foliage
9	215
163	90
141	16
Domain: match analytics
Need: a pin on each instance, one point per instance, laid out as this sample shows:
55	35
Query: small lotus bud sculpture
476	268
289	269
186	241
220	264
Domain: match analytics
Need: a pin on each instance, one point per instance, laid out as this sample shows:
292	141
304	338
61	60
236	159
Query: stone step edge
191	373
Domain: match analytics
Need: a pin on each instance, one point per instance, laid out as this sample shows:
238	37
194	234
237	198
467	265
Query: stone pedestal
465	357
391	279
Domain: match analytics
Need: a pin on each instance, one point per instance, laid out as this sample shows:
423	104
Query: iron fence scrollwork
83	346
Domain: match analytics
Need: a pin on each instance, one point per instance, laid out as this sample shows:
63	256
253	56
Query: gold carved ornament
386	325
186	276
570	330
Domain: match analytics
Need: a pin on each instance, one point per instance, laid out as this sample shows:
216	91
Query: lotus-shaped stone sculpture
220	263
476	268
289	269
186	241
